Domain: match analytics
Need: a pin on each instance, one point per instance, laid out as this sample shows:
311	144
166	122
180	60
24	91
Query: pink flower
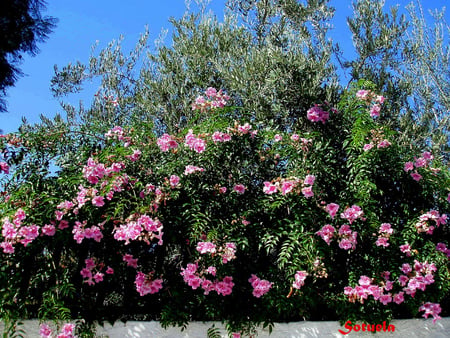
352	213
332	209
362	94
382	241
98	201
383	144
299	279
416	176
380	99
239	188
307	192
269	188
205	247
48	230
433	309
211	92
408	166
316	114
406	248
385	299
260	286
174	180
309	179
368	146
420	162
287	187
190	169
68	329
386	228
45	331
295	137
278	138
4	167
109	271
7	247
327	233
375	110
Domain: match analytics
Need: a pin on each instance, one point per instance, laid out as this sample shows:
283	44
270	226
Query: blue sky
83	22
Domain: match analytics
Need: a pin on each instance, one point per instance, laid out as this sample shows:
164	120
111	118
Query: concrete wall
410	328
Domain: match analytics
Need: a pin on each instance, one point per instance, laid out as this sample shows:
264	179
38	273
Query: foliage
284	198
21	27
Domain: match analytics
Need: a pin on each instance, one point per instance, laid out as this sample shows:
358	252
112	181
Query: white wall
410	328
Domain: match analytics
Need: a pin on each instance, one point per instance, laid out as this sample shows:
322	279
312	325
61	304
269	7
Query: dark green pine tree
21	27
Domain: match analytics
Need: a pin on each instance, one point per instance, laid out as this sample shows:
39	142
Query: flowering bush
228	219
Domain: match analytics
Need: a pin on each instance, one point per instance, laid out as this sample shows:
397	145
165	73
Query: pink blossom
109	271
190	169
145	284
211	92
375	110
352	213
383	144
332	209
222	190
406	248
130	260
309	179
408	166
380	99
166	142
4	167
174	180
278	138
48	230
416	176
368	146
239	188
228	252
244	129
327	233
362	94
7	247
98	277
68	329
433	309
420	162
386	228
287	186
406	268
98	201
316	114
135	156
269	188
45	331
205	247
295	137
299	279
307	192
382	241
385	299
260	286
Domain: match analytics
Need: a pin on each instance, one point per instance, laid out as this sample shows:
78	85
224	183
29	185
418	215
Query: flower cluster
353	213
92	271
194	143
433	309
4	167
260	286
385	232
432	215
195	278
144	228
317	114
346	236
190	169
67	331
219	136
15	232
166	142
299	279
145	283
80	232
411	281
443	248
214	99
117	133
423	161
287	185
375	101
